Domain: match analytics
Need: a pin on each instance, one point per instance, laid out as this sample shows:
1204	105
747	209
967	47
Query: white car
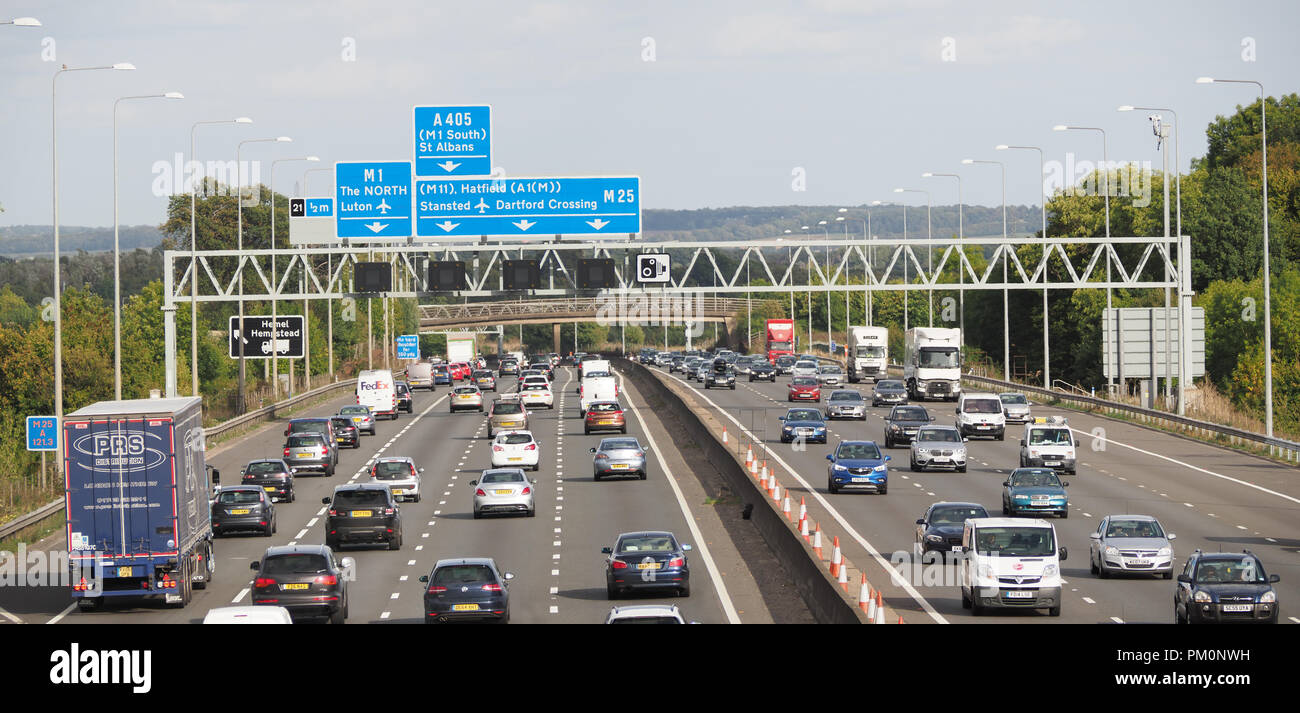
646	614
400	475
248	615
536	395
515	449
805	368
504	490
534	379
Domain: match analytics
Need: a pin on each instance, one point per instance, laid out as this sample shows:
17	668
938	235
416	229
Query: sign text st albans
453	140
373	199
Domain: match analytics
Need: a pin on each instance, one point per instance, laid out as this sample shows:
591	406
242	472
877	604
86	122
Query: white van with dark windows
981	414
1010	563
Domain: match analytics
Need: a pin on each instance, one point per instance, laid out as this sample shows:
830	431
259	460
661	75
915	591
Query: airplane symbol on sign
383	206
481	206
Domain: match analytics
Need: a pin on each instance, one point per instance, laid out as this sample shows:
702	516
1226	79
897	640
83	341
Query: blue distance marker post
528	206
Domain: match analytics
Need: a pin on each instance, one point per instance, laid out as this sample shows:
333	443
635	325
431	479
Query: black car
305	579
721	374
902	422
404	400
762	371
347	431
940	528
1222	587
243	508
271	475
785	364
889	391
647	561
363	512
468	588
544	366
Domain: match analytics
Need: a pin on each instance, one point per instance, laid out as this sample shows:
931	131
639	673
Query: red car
460	370
804	388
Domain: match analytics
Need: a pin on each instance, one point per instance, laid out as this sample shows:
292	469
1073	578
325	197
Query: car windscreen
1049	437
535	387
514	439
889	386
1241	570
482	374
354	410
1134	528
466	390
938	434
646	620
1015	541
502	408
342	424
910	414
982	406
803	381
786	360
309	427
264	467
647	543
504	476
308	441
1035	479
620	444
297	563
459	574
955	515
239	497
602	407
806	365
829	369
348	499
938	358
1014	399
870	351
855	451
391	470
805	414
846	396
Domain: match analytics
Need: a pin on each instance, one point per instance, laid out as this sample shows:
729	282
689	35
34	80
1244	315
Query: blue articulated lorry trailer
139	522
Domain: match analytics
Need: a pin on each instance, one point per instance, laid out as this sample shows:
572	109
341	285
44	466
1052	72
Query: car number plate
1237	607
240	511
984	428
358	419
942	459
648	565
503	492
398	491
298	586
124	571
618	466
465	607
515	458
269	488
1020	594
862	480
362	513
306	455
1138	562
956	548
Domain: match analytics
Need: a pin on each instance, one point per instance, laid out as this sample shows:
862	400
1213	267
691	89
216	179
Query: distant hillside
754	222
21	240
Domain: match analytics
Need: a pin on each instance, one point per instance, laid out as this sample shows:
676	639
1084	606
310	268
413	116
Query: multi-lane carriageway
1211	497
555	556
1214	499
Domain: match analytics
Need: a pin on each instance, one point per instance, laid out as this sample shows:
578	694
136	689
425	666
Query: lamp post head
1126	107
243	120
876	202
26	22
898	190
843	210
283	139
968	161
173	95
124	66
1205	80
1001	147
927	174
1060	127
312	158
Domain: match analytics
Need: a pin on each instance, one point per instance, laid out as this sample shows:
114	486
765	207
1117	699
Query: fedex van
375	388
1010	563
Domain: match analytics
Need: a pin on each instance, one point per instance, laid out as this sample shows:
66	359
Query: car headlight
895	427
837	466
986	571
1049	570
1112	550
821	429
1268	597
787	429
961	452
1201	596
933	538
1033	452
1166	552
1022	497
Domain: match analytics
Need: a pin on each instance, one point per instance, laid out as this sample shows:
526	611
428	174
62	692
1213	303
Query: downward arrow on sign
598	223
449	166
523	225
447	225
376	226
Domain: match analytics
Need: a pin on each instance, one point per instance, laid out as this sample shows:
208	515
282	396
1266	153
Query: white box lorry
460	349
932	363
870	353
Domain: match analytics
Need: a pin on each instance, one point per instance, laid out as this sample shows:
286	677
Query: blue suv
806	424
857	464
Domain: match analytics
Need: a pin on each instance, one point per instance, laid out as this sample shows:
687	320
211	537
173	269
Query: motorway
1214	499
555	556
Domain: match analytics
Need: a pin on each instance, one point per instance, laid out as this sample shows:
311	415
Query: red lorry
780	338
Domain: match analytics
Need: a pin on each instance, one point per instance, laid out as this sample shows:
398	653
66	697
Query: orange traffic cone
844	576
803	509
817	541
785	507
803	528
836	557
880	608
871	608
724	434
864	594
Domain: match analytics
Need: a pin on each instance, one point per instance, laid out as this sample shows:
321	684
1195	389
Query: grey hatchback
309	452
619	456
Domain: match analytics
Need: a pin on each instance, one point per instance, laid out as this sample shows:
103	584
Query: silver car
804	367
938	447
504	490
618	456
830	375
1015	407
400	475
846	403
466	397
360	415
1131	543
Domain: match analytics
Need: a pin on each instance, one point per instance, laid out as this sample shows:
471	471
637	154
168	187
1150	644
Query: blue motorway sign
453	140
408	346
42	433
528	206
320	207
373	199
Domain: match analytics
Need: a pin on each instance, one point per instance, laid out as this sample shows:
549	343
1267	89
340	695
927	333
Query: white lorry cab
376	389
596	388
1048	443
869	357
1010	563
932	363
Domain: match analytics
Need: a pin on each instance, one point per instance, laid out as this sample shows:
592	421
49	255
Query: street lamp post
58	289
275	326
194	273
929	235
239	238
1006	319
1183	369
1047	361
117	252
961	234
871	257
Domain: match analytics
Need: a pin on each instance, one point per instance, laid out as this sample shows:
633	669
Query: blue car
1035	491
807	424
441	374
857	465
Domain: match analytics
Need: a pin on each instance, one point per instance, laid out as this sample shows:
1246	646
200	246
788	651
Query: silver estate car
938	447
618	456
361	416
846	403
1015	407
1135	544
830	375
504	490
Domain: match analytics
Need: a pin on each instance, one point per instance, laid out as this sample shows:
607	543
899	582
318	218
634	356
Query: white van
980	414
420	375
375	388
593	365
1010	563
596	388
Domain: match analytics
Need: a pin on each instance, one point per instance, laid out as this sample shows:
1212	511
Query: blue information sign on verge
408	346
320	207
453	140
528	206
372	199
42	433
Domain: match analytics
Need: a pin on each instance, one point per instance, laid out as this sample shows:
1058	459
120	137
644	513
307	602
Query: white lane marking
301	534
312	522
238	597
395	595
556	590
1189	505
555	610
555	544
700	545
844	523
1117	620
384	615
9	616
321	511
1089	600
419	547
1262	489
555	573
73	605
410	563
1294	619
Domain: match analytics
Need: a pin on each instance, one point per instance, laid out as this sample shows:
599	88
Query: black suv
404	400
720	374
1225	587
348	433
271	475
305	579
363	512
902	422
243	507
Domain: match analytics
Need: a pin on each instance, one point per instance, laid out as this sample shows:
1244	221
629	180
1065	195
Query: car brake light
328	580
412	470
530	447
492	587
334	513
435	589
480	492
640	454
618	564
286	453
263	582
527	490
497	449
388	511
677	562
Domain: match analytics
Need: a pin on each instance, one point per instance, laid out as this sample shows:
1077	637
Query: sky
712	104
